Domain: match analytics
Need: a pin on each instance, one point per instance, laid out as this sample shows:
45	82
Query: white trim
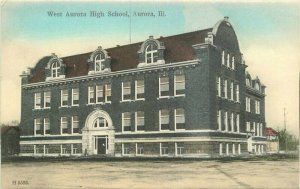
73	97
226	120
180	131
135	89
159	91
35	100
125	100
174	85
105	96
89	95
179	139
63	141
227	149
61	97
61	130
238	123
44	130
45	97
147	68
219	120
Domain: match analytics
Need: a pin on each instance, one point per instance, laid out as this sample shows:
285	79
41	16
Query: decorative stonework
61	67
160	52
106	62
89	132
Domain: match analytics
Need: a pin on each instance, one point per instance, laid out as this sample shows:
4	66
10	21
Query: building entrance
101	144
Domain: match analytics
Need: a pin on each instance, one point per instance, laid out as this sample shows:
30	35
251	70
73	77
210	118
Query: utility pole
284	122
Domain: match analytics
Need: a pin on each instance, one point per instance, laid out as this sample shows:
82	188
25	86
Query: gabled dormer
55	68
99	61
151	52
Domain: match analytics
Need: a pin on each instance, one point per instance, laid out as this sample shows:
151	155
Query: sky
268	34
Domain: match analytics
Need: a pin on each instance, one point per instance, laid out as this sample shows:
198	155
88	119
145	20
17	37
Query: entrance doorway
101	144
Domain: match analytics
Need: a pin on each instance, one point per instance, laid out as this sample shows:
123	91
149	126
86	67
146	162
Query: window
55	69
125	149
233	63
139	89
219	120
47	99
99	94
139	149
257	129
232	122
226	121
239	148
248	104
231	90
91	95
140	121
248	83
237	123
46	126
223	57
221	149
100	122
261	129
37	101
64	97
219	86
179	118
257	107
75	124
179	147
126	121
75	97
164	119
164	86
225	88
237	93
37	126
151	54
233	148
126	90
257	86
64	125
248	126
164	150
254	129
99	62
107	93
228	60
179	86
74	150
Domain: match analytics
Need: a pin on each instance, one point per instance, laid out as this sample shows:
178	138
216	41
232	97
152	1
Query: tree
287	141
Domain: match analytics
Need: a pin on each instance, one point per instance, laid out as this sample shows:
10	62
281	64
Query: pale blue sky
268	34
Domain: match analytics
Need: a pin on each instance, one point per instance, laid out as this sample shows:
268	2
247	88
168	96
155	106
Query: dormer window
257	86
55	69
248	83
151	54
99	59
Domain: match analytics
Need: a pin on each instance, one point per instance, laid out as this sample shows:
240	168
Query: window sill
47	108
75	105
126	101
140	99
182	95
164	97
102	103
64	107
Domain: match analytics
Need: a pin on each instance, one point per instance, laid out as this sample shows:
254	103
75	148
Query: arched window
151	54
257	86
55	69
248	83
99	59
100	122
